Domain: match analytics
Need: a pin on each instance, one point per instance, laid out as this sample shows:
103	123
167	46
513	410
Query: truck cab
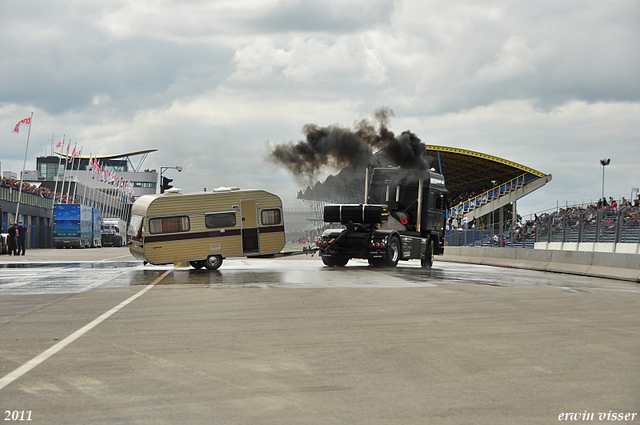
403	219
114	232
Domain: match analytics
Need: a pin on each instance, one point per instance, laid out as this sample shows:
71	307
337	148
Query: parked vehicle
203	228
76	226
4	244
114	232
404	219
96	227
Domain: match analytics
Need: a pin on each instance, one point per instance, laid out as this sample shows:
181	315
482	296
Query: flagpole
57	175
72	158
84	196
24	164
75	187
91	183
66	165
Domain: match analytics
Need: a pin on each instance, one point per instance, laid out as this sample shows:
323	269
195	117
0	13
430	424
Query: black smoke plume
337	147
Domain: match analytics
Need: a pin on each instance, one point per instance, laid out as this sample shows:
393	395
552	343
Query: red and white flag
60	143
26	121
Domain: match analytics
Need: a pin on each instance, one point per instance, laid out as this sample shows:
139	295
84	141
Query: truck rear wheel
339	261
329	261
427	260
376	262
342	261
213	262
393	252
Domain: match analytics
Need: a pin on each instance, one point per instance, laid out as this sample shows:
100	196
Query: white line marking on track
28	366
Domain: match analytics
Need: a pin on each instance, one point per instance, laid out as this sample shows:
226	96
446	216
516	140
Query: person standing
11	239
22	238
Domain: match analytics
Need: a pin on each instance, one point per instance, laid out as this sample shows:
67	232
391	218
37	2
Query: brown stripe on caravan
271	229
197	235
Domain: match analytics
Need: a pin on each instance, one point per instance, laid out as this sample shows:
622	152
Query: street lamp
604	162
164	182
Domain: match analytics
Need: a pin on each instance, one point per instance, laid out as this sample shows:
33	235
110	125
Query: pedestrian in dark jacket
11	239
21	238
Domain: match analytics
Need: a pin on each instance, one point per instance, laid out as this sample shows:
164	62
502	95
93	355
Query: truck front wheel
427	261
393	252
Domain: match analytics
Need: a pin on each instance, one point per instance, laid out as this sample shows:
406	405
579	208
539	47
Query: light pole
604	162
165	184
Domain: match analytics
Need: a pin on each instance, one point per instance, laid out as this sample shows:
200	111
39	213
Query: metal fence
576	224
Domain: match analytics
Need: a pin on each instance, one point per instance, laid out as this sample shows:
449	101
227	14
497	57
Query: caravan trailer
203	228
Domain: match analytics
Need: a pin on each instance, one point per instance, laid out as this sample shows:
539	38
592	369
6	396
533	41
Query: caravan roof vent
225	189
172	191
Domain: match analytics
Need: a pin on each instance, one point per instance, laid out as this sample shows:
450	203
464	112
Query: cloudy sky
553	85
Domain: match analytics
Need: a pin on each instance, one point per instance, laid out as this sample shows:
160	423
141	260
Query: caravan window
169	225
221	219
135	226
271	217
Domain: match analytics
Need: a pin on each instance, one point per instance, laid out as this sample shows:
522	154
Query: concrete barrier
598	264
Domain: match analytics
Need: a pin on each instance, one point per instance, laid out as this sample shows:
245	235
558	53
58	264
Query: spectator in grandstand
14	184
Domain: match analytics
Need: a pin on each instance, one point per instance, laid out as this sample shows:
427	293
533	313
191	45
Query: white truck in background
114	232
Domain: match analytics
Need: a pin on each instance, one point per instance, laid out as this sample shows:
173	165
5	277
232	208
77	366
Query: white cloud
309	61
208	83
515	59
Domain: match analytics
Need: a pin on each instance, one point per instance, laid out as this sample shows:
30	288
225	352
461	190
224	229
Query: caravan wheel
197	264
213	262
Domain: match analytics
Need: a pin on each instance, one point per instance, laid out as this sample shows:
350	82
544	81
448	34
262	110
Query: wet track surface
289	341
307	272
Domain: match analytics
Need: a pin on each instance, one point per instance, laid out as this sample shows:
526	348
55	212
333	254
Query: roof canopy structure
465	169
123	157
491	182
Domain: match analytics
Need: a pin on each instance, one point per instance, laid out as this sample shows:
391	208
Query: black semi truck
403	218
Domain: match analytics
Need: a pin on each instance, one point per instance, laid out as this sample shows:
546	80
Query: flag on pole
26	121
60	143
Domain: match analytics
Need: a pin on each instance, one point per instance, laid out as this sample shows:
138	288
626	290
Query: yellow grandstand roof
464	169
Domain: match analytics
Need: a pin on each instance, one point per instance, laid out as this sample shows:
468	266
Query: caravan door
249	212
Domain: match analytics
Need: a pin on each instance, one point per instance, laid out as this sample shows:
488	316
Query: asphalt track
94	337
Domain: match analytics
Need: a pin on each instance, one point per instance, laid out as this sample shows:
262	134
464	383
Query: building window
169	225
218	220
145	184
271	217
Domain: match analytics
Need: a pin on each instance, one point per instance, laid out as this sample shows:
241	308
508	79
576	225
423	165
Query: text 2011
17	415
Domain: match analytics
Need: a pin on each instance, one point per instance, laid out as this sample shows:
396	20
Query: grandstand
478	183
489	181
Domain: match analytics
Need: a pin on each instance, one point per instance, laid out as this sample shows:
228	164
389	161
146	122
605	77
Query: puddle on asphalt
78	265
